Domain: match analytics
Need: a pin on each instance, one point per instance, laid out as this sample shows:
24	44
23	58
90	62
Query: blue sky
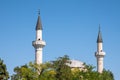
69	27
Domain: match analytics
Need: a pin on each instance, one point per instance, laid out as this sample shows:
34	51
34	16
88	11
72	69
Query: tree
90	74
107	75
25	72
63	71
32	71
3	71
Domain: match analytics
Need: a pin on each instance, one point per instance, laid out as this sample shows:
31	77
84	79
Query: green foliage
63	71
58	70
25	72
4	75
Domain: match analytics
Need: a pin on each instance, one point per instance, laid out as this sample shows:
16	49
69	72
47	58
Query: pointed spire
99	38
39	24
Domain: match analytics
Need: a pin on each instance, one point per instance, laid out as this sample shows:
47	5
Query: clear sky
69	27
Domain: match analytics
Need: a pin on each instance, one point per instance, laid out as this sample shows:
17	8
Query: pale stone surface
100	56
38	45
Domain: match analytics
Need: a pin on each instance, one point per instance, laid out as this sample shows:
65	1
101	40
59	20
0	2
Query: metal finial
99	27
38	11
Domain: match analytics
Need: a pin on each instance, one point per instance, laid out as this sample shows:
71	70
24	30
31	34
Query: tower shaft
99	47
38	56
39	35
99	64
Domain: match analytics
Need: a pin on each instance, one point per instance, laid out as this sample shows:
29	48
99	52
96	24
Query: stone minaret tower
38	44
99	54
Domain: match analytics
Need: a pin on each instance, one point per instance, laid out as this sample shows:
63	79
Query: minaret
99	54
38	44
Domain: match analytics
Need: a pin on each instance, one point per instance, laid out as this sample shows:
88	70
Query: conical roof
99	38
39	24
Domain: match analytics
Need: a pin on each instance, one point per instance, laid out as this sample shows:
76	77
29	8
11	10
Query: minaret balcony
38	43
102	54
